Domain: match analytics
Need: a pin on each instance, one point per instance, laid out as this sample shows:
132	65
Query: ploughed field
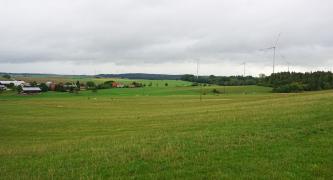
167	132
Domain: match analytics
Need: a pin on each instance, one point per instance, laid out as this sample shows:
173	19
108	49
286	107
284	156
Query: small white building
16	83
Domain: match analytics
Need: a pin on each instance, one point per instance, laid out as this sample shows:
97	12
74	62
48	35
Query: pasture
167	133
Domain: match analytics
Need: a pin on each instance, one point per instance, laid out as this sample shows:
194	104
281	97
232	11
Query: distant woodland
283	82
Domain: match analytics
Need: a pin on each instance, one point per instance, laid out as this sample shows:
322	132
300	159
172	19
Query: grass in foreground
237	135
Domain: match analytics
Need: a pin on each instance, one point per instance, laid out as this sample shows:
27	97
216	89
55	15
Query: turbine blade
266	49
277	40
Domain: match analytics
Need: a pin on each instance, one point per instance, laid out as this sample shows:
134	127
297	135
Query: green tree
43	87
33	84
298	82
60	87
78	85
18	89
90	85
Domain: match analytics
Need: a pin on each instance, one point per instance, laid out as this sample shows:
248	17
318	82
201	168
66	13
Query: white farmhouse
16	83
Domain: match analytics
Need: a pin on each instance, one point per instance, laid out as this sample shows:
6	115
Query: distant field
166	133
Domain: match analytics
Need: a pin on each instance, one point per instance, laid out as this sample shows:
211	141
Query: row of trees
221	80
283	82
67	87
6	76
296	82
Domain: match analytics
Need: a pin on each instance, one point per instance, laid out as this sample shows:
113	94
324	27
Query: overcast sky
164	36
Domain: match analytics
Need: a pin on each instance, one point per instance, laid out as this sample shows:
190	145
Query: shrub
215	91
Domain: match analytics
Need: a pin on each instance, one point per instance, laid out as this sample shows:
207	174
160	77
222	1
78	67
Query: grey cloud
160	31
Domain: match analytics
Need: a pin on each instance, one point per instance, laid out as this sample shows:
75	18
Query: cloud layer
132	32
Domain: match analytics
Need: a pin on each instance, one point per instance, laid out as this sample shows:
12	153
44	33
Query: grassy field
166	133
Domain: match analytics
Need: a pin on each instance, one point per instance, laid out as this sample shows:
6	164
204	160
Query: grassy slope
111	134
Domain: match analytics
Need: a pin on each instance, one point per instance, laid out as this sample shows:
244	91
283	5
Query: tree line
285	82
221	80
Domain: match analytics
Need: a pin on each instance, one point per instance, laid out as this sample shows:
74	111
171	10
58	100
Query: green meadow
159	132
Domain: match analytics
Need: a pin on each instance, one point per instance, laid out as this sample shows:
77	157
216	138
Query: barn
31	90
117	85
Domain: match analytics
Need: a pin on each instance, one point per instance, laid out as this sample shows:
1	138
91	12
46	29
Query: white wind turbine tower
274	47
198	64
244	68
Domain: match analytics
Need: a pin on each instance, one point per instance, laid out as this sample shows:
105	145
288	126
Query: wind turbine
244	68
198	62
274	47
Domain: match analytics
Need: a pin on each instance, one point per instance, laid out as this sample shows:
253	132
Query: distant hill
40	75
141	76
124	76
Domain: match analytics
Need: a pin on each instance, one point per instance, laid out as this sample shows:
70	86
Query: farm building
31	90
51	85
16	83
117	85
